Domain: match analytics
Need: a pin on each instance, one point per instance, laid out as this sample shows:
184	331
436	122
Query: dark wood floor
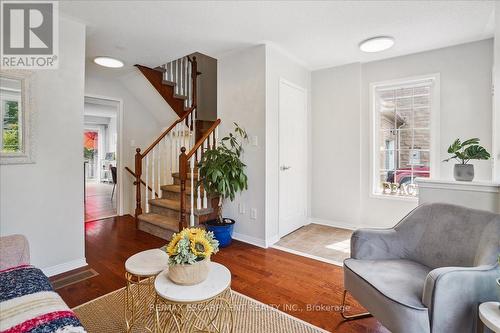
297	285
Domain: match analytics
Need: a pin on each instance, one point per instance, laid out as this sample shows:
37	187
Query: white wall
242	99
496	107
44	200
336	138
465	112
278	66
145	115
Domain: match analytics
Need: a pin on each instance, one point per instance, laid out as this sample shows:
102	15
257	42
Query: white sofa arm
14	251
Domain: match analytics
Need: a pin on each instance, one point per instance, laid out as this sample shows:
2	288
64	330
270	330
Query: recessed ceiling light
108	62
376	44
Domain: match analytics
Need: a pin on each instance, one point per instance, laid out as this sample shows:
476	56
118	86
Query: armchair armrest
453	295
14	251
375	244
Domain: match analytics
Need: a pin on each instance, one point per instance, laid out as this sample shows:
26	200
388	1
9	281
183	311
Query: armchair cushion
400	280
391	300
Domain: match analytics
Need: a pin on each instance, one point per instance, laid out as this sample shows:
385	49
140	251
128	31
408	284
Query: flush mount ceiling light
376	44
108	62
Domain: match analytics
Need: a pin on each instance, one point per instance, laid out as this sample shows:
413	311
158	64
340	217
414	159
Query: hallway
98	203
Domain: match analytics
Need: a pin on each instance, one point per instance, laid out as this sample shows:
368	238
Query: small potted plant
222	174
464	152
189	255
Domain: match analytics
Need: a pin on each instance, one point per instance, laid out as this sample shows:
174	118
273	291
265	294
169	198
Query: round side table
204	307
489	313
139	292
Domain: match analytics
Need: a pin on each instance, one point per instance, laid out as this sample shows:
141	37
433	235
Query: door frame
119	145
306	148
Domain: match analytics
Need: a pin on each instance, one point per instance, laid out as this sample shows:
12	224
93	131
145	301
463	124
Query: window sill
393	197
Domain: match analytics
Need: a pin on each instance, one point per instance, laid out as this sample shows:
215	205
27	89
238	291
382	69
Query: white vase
189	274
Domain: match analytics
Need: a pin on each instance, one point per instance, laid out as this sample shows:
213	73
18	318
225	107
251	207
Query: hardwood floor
98	203
300	286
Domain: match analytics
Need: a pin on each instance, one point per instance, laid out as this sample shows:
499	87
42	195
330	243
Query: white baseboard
336	224
250	240
64	267
307	255
272	240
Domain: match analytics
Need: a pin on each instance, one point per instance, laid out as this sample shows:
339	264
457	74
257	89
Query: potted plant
189	254
222	174
464	152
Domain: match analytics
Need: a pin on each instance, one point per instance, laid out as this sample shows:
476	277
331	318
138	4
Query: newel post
137	183
183	177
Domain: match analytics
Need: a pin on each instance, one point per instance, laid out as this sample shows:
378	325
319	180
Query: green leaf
476	152
455	146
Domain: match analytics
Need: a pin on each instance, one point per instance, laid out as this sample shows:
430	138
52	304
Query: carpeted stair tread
162	221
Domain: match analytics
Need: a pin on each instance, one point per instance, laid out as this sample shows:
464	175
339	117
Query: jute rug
106	315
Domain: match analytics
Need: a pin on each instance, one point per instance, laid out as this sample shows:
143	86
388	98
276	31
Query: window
404	119
15	117
11	111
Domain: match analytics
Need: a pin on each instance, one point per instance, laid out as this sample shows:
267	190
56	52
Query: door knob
284	167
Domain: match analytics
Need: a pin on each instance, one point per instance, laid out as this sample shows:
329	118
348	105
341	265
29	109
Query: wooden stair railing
162	151
177	84
142	181
187	163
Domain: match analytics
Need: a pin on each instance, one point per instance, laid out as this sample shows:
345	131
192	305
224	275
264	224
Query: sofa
28	303
430	272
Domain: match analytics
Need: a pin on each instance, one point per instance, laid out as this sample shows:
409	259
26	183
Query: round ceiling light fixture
108	62
376	44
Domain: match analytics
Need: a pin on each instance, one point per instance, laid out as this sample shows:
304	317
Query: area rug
106	315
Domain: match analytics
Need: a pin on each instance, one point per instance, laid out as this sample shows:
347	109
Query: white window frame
375	124
27	153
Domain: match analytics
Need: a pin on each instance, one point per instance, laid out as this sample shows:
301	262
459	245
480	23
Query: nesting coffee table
139	292
204	307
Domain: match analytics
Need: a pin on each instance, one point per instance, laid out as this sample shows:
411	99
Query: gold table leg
205	316
139	294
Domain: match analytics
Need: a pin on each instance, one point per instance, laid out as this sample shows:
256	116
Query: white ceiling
316	33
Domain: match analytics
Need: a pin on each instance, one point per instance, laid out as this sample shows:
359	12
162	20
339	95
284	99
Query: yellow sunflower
192	233
201	247
172	246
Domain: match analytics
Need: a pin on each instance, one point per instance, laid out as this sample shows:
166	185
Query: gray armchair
430	272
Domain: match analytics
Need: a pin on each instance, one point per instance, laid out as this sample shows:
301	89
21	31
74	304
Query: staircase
166	175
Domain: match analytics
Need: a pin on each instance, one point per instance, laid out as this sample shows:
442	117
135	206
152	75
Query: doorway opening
101	136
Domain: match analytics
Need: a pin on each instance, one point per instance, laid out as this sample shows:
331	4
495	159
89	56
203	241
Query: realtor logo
29	34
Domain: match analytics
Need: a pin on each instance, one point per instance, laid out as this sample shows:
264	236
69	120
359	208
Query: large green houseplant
222	174
464	152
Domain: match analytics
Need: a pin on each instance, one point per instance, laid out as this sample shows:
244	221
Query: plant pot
223	232
498	289
188	275
464	172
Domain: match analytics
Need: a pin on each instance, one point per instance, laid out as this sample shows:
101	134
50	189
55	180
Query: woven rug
106	315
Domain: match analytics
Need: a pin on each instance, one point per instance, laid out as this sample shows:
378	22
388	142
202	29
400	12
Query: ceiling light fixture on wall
108	62
376	44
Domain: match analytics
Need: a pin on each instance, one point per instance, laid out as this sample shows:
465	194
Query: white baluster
153	175
205	200
165	151
147	182
159	170
192	192
175	78
189	84
194	126
198	189
172	156
181	76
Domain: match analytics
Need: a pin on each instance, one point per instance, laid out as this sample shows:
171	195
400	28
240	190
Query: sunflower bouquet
190	246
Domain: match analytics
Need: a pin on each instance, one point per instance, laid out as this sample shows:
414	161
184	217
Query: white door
292	157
